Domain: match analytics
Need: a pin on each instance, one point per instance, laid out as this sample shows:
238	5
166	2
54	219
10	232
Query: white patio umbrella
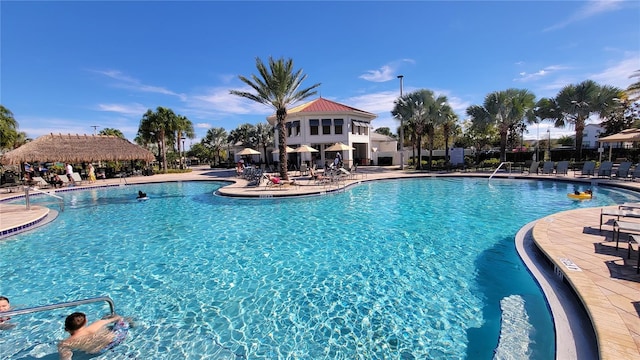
248	151
289	150
339	147
305	149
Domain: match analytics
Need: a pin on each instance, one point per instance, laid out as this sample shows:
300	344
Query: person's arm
64	351
96	325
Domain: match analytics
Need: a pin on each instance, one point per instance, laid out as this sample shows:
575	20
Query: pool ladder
28	203
59	306
508	163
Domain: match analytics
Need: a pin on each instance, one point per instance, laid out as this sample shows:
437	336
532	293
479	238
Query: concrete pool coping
606	284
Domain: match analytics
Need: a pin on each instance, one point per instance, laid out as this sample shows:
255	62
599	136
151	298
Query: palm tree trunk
282	144
579	131
419	163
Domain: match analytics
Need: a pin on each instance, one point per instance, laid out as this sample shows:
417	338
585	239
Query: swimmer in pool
141	195
96	338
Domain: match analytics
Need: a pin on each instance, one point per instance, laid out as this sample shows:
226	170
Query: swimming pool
404	269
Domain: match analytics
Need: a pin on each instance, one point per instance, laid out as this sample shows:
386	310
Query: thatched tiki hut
76	149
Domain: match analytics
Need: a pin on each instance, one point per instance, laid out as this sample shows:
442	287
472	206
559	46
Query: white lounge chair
38	181
77	179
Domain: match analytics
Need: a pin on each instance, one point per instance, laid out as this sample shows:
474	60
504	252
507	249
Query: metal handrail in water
61	200
59	306
499	166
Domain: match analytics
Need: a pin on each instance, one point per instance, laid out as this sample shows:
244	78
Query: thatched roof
76	149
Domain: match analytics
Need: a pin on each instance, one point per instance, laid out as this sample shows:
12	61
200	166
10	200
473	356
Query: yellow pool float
580	196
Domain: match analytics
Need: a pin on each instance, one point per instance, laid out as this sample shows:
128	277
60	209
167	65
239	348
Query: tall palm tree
155	126
504	109
183	127
215	140
449	128
278	86
578	102
437	114
413	109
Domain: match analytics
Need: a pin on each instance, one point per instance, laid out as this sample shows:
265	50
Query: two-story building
320	124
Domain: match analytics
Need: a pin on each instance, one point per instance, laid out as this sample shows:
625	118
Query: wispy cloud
618	74
385	72
588	10
125	109
524	76
127	82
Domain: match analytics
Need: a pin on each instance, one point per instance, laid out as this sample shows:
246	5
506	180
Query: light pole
183	159
549	144
95	128
401	129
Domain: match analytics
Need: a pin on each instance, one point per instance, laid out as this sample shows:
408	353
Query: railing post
26	197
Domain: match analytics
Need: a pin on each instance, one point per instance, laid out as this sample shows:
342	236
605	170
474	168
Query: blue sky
69	66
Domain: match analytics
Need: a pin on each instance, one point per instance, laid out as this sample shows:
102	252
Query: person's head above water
75	321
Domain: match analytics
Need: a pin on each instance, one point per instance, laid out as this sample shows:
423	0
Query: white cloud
525	77
127	82
618	74
386	72
125	109
588	10
202	126
218	101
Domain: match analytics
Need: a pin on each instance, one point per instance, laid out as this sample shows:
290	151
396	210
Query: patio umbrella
248	151
339	147
289	150
305	149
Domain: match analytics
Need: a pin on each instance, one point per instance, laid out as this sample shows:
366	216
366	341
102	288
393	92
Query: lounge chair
534	167
547	168
605	169
622	172
636	172
77	179
588	169
562	168
38	181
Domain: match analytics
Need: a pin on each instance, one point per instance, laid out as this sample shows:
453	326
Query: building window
338	126
326	126
293	128
313	126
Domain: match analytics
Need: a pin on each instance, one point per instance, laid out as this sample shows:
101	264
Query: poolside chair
534	167
38	181
547	168
605	169
636	172
588	169
622	172
562	168
76	177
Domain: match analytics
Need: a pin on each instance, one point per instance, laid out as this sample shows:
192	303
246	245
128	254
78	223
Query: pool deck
603	278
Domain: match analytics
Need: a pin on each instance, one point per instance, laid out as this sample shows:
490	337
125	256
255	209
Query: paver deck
603	278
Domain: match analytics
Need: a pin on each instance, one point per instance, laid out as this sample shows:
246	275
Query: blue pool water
398	269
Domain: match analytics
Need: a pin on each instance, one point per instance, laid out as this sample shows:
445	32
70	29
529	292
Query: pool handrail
58	306
508	163
60	199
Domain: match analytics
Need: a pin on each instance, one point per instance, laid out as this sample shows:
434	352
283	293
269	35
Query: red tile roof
320	105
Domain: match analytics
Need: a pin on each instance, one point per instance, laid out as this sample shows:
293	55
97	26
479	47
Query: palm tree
278	86
155	126
578	102
183	127
215	140
8	128
111	132
504	109
449	128
412	108
263	135
437	114
633	91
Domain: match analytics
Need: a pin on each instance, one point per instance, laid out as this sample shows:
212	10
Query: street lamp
401	129
549	144
183	159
